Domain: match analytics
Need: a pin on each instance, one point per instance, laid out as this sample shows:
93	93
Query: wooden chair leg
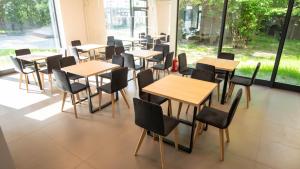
221	133
199	129
42	80
249	92
134	75
100	99
34	79
78	98
26	82
179	110
112	104
176	137
247	97
50	82
140	141
227	135
63	101
74	105
161	148
124	97
20	80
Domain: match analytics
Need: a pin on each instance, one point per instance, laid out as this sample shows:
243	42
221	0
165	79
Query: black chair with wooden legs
118	83
183	69
79	57
63	83
119	50
52	62
130	63
212	69
218	119
24	63
159	58
22	71
227	56
116	59
165	66
69	61
149	116
243	81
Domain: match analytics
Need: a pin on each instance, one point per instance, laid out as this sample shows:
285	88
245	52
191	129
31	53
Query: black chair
63	83
149	116
149	42
118	42
130	63
52	62
142	35
80	58
69	61
157	42
22	71
244	81
109	52
145	78
163	38
183	69
119	50
110	40
21	52
227	56
159	58
211	69
118	83
165	66
75	43
116	59
218	119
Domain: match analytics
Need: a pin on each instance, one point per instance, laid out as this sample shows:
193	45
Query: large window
125	18
199	26
26	24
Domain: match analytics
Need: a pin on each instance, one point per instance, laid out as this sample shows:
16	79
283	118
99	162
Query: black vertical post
224	14
282	41
176	28
131	17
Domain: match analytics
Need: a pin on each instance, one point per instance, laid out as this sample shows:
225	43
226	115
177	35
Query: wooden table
88	69
185	90
34	58
133	40
89	47
144	54
221	64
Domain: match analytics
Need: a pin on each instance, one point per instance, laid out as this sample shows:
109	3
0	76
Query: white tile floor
40	136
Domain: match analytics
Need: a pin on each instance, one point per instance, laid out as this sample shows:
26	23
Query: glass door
289	67
140	22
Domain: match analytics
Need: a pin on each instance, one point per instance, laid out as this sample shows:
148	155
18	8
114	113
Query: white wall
164	16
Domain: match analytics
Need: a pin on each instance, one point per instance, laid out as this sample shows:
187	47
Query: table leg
89	95
193	130
225	88
38	75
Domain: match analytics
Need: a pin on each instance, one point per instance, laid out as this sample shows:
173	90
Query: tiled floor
265	136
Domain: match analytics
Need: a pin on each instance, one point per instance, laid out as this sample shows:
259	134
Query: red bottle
174	65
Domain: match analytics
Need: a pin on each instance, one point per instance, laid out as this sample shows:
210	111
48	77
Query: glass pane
140	3
253	32
118	20
140	24
199	25
289	67
26	24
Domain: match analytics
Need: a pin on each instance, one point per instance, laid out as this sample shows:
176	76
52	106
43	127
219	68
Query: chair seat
77	87
74	76
153	98
212	117
153	60
139	67
106	75
169	124
187	71
159	67
45	71
106	88
241	80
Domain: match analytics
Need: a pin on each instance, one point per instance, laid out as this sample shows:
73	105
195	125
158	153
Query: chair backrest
182	63
118	42
158	41
233	107
74	52
163	38
128	60
67	61
110	40
206	67
142	35
62	80
204	75
20	52
168	38
53	62
76	43
118	59
109	52
228	56
17	63
159	47
169	60
144	79
148	116
119	79
119	50
255	73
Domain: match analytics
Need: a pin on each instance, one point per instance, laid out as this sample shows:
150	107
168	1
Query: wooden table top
36	57
88	47
182	89
221	64
90	68
144	53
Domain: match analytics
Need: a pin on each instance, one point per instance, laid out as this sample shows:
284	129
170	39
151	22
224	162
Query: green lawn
261	49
